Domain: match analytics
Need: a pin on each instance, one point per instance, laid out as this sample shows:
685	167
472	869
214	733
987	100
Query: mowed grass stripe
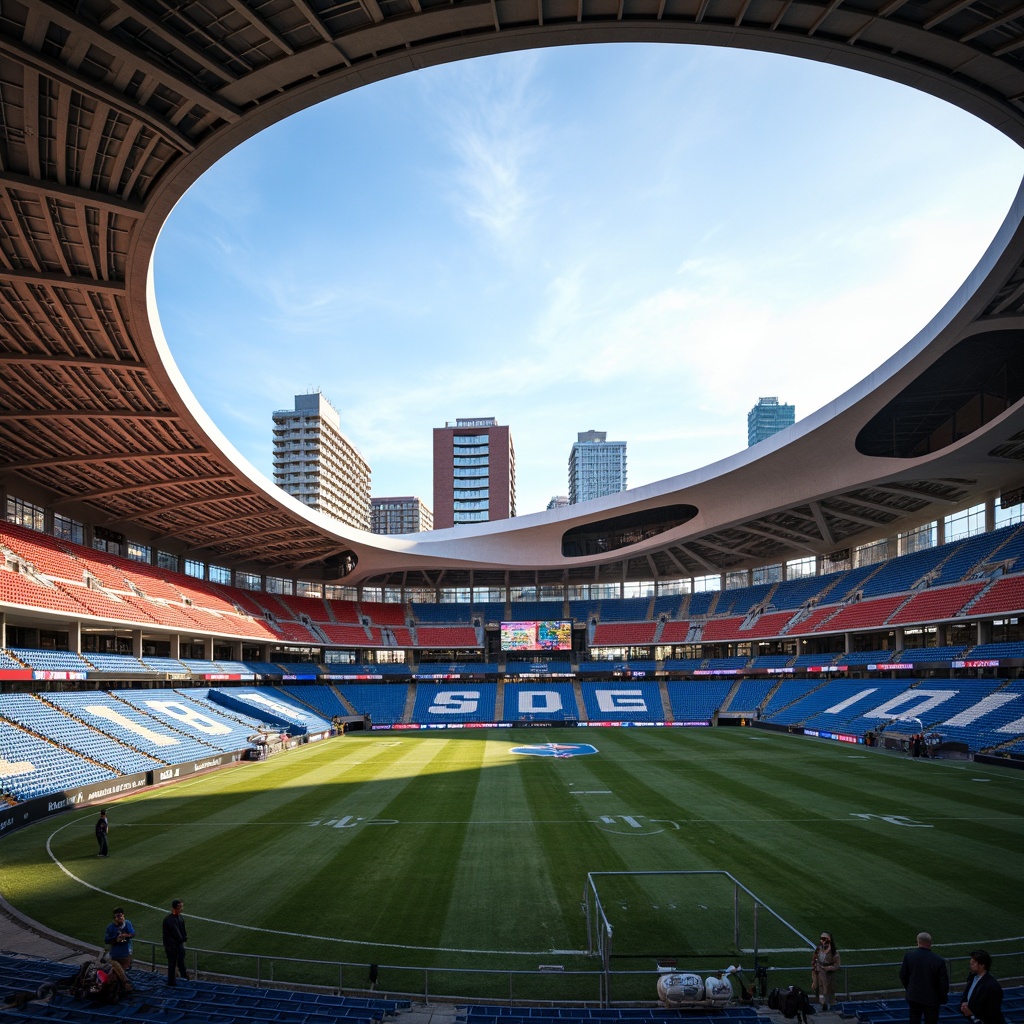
506	891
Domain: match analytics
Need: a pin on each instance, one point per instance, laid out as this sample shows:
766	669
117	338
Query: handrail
534	986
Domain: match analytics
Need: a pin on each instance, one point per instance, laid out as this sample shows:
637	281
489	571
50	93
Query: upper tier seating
381	614
583	612
461	637
675	631
955	581
793	594
26	592
935	605
859	615
667	605
741	600
700	603
722	629
442	614
629	609
347	635
771	624
314	608
900	574
966	555
1005	595
622	634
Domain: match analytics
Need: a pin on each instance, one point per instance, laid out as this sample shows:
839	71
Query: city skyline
641	236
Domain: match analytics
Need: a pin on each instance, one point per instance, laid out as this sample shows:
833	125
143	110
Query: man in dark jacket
175	938
982	1001
102	828
926	979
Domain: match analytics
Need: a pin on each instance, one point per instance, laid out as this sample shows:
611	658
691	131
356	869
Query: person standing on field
102	828
926	979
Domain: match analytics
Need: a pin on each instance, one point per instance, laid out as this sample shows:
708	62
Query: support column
137	642
984	629
175	650
75	637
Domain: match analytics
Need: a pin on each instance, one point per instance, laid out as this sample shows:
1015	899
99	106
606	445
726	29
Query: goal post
705	917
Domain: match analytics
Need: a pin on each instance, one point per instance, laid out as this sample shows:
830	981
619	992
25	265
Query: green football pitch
455	850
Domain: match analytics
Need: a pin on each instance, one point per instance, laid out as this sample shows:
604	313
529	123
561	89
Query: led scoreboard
549	635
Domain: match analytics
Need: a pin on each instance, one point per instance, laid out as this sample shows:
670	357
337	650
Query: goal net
700	920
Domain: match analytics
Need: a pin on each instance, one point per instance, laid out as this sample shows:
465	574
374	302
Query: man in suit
926	979
175	938
982	1000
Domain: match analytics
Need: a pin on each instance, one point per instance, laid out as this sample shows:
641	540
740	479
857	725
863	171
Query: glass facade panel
165	560
968	523
869	554
1009	516
24	513
277	585
68	529
702	584
921	539
139	552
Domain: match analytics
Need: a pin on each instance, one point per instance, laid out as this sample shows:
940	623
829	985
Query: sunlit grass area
450	850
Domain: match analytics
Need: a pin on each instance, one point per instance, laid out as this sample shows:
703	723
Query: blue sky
629	238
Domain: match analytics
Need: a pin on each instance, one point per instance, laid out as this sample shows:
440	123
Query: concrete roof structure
111	109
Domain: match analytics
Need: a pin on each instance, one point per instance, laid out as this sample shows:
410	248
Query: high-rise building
399	515
597	466
316	463
768	417
558	501
474	472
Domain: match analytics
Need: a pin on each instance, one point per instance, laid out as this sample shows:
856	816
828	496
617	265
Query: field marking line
288	934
